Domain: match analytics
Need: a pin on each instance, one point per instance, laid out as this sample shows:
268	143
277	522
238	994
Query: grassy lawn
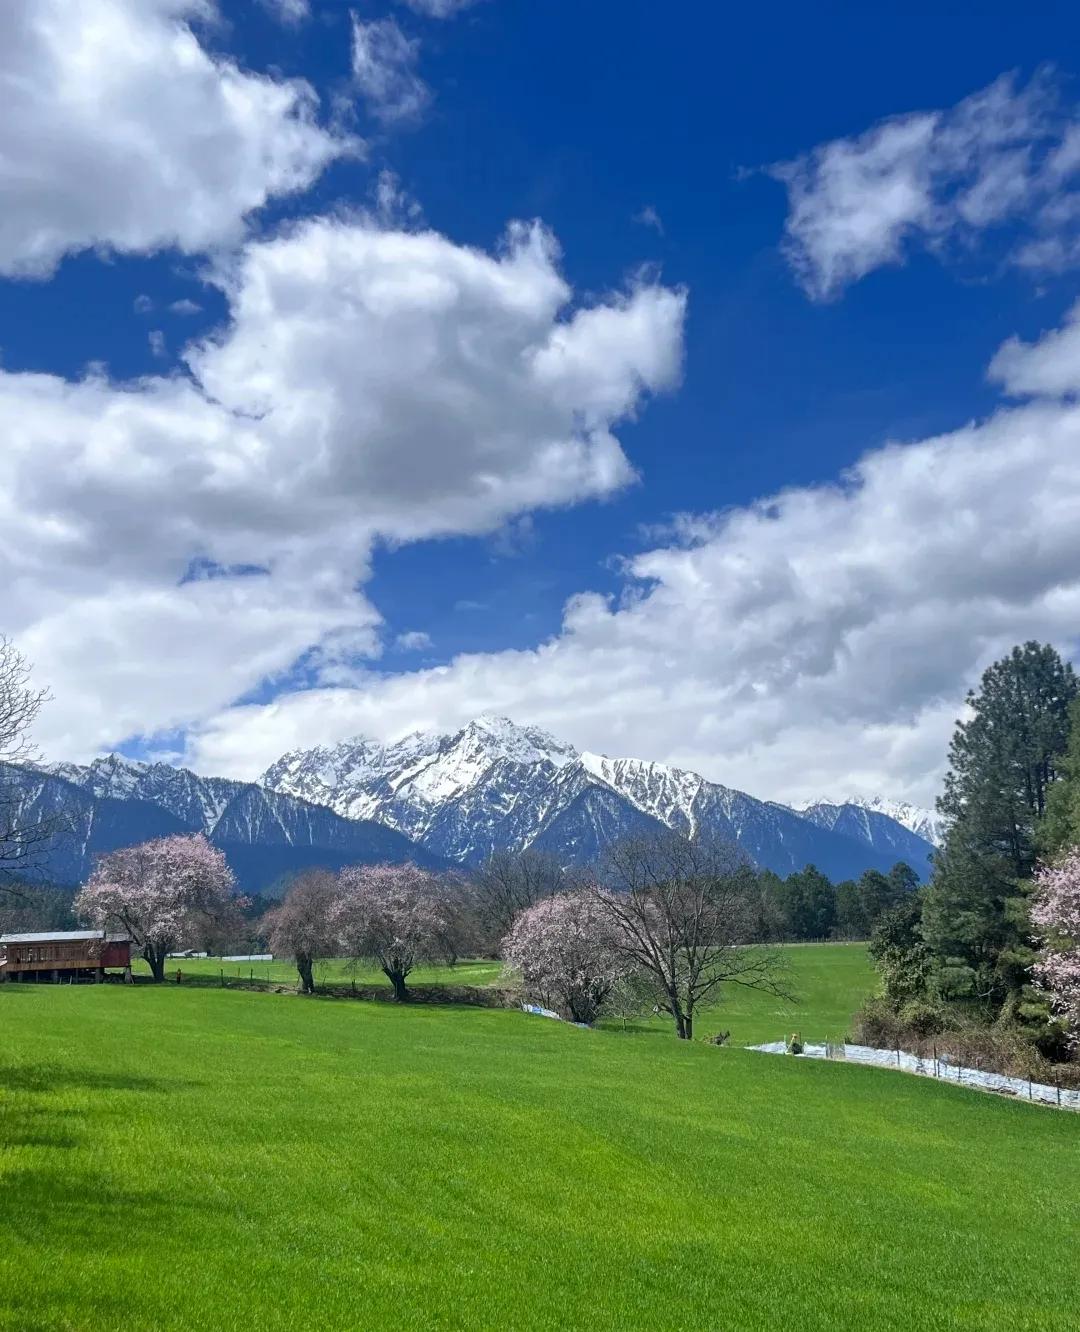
335	971
830	981
220	1159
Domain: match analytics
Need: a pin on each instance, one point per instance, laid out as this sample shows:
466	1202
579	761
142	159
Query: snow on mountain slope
266	835
196	801
924	823
494	785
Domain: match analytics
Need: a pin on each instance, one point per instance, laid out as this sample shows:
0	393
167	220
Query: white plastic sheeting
941	1068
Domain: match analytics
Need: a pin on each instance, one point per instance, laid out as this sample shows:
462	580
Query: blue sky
645	139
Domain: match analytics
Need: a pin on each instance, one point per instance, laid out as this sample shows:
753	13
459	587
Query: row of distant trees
664	922
668	924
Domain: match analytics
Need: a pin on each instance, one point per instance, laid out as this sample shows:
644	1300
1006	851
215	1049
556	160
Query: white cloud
820	641
121	131
384	71
289	12
1047	368
1006	155
413	641
649	217
370	384
185	307
157	343
439	9
142	304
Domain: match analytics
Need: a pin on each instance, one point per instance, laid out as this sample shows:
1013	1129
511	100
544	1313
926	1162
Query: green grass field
202	1158
829	979
336	971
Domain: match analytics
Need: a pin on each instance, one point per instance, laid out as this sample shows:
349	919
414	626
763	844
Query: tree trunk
307	980
397	980
156	960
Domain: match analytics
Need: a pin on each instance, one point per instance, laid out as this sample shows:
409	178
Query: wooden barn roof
62	936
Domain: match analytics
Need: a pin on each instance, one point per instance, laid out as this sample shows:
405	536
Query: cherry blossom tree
1055	911
303	925
396	916
567	952
162	893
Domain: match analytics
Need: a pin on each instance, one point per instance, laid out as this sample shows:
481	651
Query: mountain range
267	837
496	785
445	799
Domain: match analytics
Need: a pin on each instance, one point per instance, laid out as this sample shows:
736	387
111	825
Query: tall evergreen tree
1003	760
1060	829
809	902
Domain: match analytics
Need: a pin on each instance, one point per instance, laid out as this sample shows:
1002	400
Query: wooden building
63	955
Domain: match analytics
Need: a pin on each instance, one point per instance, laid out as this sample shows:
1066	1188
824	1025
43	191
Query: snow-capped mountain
113	802
495	785
924	823
438	799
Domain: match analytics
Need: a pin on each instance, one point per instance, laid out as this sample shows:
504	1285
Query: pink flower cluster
1055	910
398	915
158	892
565	948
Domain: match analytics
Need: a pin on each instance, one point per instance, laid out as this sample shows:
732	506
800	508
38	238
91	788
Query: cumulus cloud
121	131
817	642
384	71
1049	367
370	384
1006	158
185	307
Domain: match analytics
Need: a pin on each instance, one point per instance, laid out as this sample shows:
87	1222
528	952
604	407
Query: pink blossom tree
396	916
1055	911
567	952
162	893
303	925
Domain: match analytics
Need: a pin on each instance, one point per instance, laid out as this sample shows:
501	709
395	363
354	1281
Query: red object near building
56	955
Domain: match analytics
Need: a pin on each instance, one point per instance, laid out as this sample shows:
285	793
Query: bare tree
508	884
684	915
303	926
19	705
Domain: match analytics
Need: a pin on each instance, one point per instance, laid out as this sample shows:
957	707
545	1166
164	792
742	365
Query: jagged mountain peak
924	823
495	784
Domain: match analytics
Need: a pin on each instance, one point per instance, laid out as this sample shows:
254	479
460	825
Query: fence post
222	975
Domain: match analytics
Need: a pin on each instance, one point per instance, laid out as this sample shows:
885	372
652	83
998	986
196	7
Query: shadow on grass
419	996
45	1078
65	1223
59	1213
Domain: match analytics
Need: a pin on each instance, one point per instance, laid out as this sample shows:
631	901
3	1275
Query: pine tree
1004	759
1060	828
809	902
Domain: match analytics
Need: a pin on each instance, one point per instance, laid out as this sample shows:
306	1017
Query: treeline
990	948
807	906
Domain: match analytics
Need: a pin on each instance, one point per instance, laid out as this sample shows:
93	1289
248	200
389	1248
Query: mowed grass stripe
219	1159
